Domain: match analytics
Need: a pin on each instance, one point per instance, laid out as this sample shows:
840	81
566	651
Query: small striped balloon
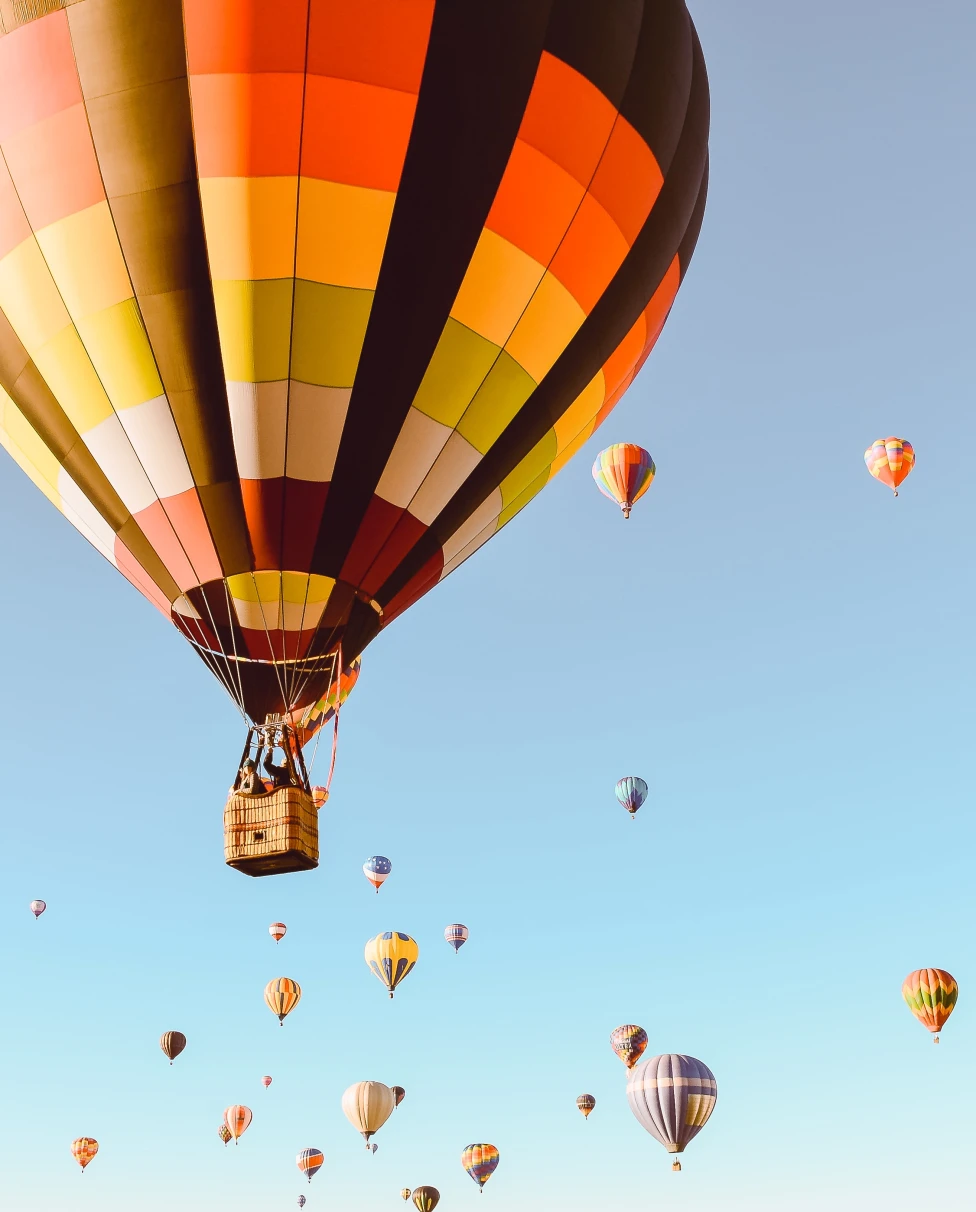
586	1103
237	1120
282	995
309	1161
624	472
890	460
672	1097
931	995
172	1044
277	930
480	1162
456	935
631	792
376	869
266	1082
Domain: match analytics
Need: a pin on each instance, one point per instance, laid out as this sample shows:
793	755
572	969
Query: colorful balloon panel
629	1042
480	1162
890	460
672	1097
623	473
83	1150
288	337
931	995
282	996
391	956
309	1161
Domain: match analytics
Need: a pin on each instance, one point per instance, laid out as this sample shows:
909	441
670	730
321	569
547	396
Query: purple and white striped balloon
672	1097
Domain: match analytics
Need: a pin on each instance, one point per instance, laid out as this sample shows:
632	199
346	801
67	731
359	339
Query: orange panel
628	180
613	399
38	76
535	203
356	134
245	35
567	118
190	558
54	168
247	126
590	255
624	358
14	228
381	42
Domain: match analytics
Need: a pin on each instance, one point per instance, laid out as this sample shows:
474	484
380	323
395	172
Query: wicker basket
271	834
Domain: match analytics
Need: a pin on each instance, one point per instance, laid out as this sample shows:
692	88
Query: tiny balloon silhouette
631	792
266	1082
624	472
83	1150
172	1044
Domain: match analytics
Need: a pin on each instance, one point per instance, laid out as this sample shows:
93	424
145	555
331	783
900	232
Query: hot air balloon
224	1133
391	956
399	1094
629	1043
631	792
319	796
426	1199
367	1106
374	1146
301	1201
266	1082
376	869
309	1161
480	1162
282	996
890	460
405	1194
37	908
586	1103
288	342
237	1119
172	1044
672	1097
456	935
931	995
83	1150
277	930
624	472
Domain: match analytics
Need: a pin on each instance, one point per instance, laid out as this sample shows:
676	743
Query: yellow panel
27	450
535	464
119	349
342	232
84	257
584	408
523	499
70	375
254	319
250	224
329	327
267	587
301	587
497	287
29	298
499	398
567	452
549	324
460	363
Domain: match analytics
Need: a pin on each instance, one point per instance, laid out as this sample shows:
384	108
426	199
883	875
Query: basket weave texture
271	834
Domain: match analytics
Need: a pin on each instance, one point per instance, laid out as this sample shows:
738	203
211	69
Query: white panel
303	616
156	440
316	416
485	514
257	417
82	513
420	441
110	445
453	466
259	616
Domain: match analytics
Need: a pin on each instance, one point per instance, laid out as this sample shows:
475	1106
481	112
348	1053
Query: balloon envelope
282	996
931	995
624	472
480	1162
586	1103
301	1201
672	1097
376	869
405	1193
224	1133
266	1082
426	1199
890	460
631	792
237	1120
309	1161
83	1150
37	908
172	1044
629	1042
391	956
277	930
399	1094
367	1106
456	935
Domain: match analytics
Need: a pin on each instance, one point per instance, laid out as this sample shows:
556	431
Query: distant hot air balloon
309	1161
83	1150
172	1044
672	1097
367	1106
405	1194
282	995
277	930
931	995
631	792
623	473
237	1119
266	1082
629	1043
376	869
374	1146
586	1103
426	1199
399	1094
320	796
480	1162
224	1133
391	956
456	935
37	908
301	1201
890	460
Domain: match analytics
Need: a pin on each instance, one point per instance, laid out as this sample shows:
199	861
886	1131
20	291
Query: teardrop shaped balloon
277	930
376	869
931	995
83	1150
672	1097
266	1082
586	1103
367	1106
631	792
629	1042
391	956
426	1199
399	1094
456	935
301	1201
282	996
237	1120
480	1162
37	908
405	1194
224	1133
890	460
172	1044
309	1161
624	472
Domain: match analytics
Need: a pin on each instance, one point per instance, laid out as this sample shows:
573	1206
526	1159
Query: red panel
535	203
276	645
14	228
380	42
304	503
263	509
134	572
376	527
628	179
181	538
247	126
415	588
406	534
590	255
38	76
356	134
245	35
54	168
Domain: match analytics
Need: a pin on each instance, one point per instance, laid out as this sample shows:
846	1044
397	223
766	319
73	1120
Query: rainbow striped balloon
480	1162
890	460
931	995
624	472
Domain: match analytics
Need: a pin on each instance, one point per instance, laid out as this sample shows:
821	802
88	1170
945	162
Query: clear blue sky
778	647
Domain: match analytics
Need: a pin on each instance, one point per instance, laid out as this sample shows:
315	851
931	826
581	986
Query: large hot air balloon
376	869
931	995
890	460
367	1106
480	1162
83	1150
629	1042
586	1103
391	956
237	1119
631	792
300	303
309	1161
399	1094
426	1199
456	935
224	1133
172	1044
623	473
277	930
672	1097
37	908
282	996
